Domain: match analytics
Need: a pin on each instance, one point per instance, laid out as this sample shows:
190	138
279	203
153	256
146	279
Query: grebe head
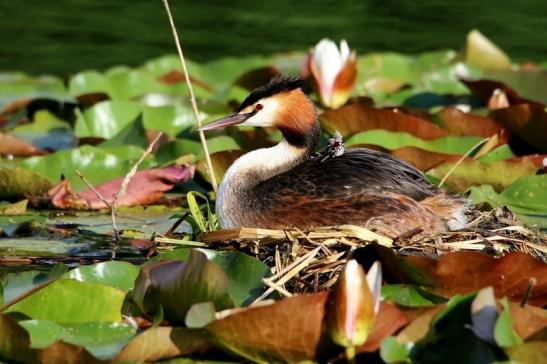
280	103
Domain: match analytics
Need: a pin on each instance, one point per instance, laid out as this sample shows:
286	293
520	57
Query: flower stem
350	354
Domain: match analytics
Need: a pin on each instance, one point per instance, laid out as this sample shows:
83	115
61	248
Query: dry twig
467	154
192	97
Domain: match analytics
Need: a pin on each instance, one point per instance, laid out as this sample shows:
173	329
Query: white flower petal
344	51
328	62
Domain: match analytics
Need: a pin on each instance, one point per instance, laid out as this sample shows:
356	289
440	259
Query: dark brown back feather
355	172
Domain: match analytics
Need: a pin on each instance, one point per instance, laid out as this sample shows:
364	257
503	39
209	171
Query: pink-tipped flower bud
334	72
354	303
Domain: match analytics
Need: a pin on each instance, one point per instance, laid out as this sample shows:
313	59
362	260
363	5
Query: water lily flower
354	304
334	72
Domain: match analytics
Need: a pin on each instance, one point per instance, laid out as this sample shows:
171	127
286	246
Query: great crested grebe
288	186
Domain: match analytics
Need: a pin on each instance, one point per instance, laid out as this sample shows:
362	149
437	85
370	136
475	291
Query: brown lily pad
464	272
355	118
457	122
388	321
286	331
498	174
10	145
528	121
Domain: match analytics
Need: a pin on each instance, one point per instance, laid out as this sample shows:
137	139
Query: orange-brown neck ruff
297	119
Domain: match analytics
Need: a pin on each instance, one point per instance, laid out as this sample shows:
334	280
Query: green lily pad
392	351
38	247
102	339
71	301
410	296
387	65
18	86
173	150
17	208
119	275
15	284
106	119
98	165
498	174
526	197
394	140
171	119
87	82
131	134
528	83
483	53
146	221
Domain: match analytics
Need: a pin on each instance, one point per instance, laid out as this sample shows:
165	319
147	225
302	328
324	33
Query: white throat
249	170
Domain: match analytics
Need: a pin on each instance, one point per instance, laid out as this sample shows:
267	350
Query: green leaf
224	71
87	82
394	140
528	83
204	223
387	65
37	246
132	134
98	165
171	119
125	83
177	285
392	351
105	119
500	153
18	86
483	53
244	273
120	275
102	339
15	284
526	198
71	301
17	208
148	221
19	183
499	174
504	334
171	151
410	296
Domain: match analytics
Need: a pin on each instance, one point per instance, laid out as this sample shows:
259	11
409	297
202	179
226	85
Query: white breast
246	172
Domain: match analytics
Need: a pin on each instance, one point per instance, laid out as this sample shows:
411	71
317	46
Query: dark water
65	36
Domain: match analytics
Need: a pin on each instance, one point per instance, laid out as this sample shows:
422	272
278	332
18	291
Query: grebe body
285	186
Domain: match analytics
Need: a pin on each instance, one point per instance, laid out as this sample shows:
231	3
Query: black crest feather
276	85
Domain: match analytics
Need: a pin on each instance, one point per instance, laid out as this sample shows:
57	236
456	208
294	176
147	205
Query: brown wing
362	187
356	172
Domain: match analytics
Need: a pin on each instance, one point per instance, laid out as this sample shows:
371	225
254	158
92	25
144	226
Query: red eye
259	107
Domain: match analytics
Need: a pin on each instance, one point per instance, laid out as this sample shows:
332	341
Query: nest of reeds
309	261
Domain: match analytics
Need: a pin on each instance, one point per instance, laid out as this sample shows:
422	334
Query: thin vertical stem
192	97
